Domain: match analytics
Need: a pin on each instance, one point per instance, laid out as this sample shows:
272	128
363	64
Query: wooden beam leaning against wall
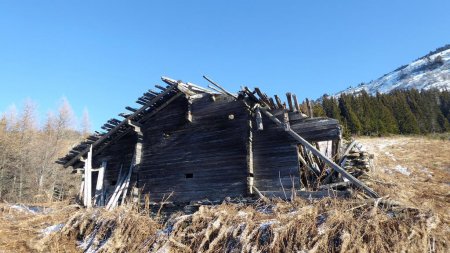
324	158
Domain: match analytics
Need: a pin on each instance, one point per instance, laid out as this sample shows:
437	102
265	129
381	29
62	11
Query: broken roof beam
124	122
131	109
297	106
264	98
220	87
279	104
160	87
291	105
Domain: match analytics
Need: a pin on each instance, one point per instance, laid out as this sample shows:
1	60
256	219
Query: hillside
428	72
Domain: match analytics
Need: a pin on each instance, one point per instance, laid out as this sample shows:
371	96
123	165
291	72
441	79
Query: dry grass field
414	171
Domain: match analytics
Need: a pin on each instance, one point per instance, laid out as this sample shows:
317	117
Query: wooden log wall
316	129
202	159
275	158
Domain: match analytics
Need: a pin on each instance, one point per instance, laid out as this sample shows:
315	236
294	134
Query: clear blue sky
102	55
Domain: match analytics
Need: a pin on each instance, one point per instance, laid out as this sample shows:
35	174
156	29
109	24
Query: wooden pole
88	179
296	103
319	154
310	109
220	87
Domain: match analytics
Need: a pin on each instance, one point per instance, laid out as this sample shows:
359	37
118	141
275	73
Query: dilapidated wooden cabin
193	143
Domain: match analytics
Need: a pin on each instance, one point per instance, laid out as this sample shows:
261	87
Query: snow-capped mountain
430	71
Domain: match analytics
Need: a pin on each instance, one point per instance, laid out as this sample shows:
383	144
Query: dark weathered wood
327	160
347	150
280	105
291	105
297	106
307	194
131	117
131	109
251	95
335	185
310	109
211	147
274	106
263	98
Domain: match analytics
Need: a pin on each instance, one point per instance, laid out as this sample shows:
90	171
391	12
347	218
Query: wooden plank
131	109
131	117
99	186
334	185
324	158
250	169
347	150
307	194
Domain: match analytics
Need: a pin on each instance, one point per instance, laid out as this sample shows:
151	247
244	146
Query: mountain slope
430	71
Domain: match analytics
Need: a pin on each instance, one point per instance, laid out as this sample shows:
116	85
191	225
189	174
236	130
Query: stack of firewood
357	162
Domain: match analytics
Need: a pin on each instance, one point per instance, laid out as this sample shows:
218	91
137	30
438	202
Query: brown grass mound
23	229
329	225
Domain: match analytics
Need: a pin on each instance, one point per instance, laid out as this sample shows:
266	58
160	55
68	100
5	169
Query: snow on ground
421	74
402	170
27	209
52	229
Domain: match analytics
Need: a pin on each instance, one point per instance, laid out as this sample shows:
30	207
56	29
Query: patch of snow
390	155
52	229
26	209
322	229
242	214
426	171
268	223
402	170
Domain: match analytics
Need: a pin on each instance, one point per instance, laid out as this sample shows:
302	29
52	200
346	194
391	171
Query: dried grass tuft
329	225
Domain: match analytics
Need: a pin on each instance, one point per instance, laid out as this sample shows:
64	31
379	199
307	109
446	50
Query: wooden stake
310	109
297	106
289	99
